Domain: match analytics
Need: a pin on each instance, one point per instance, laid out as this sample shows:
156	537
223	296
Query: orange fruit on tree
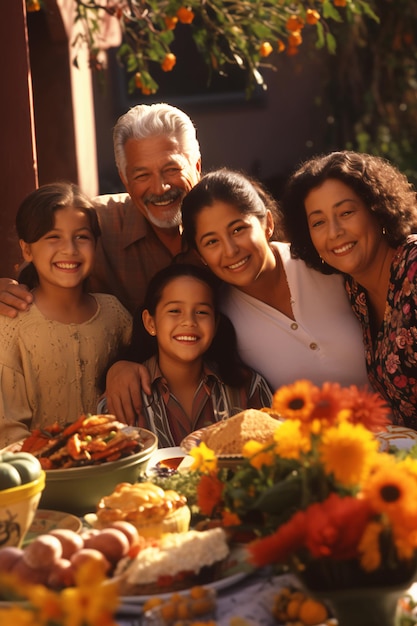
265	49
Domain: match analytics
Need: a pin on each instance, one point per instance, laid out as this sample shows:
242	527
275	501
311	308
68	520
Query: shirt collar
155	373
135	225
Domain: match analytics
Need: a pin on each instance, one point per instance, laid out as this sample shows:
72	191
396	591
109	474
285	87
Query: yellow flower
295	401
291	441
369	547
405	540
410	465
346	452
393	491
18	616
46	601
204	459
258	454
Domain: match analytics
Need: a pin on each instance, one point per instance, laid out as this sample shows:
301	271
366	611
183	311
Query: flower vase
372	606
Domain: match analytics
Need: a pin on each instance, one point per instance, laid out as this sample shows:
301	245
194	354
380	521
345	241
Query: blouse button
313	346
294	326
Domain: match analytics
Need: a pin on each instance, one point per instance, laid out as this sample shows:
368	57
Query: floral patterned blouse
391	358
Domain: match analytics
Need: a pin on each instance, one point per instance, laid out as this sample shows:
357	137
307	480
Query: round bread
228	437
148	507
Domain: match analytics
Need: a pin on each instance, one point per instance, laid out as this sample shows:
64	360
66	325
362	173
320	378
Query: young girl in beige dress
52	357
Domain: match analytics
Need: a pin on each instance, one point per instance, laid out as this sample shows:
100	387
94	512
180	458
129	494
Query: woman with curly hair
355	214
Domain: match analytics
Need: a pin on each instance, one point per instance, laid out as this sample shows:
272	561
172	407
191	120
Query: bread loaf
229	436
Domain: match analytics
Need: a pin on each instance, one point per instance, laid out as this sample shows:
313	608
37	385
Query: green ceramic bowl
78	490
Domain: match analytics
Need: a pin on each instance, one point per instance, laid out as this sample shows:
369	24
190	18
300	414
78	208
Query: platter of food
234	569
398	436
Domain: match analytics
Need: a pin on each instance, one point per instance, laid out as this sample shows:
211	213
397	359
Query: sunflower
295	401
393	492
346	452
291	441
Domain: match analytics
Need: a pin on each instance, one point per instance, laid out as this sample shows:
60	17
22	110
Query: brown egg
111	542
61	574
128	529
42	552
88	554
70	540
29	574
8	557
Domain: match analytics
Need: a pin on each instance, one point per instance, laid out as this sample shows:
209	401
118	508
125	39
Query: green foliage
372	85
225	32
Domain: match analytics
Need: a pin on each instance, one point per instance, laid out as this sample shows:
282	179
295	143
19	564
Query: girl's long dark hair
36	216
222	353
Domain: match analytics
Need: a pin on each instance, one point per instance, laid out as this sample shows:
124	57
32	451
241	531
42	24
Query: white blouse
323	343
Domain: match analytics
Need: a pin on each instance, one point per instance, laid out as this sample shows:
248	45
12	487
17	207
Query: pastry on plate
151	509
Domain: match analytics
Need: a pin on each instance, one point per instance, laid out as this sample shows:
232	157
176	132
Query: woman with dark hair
355	214
53	356
291	321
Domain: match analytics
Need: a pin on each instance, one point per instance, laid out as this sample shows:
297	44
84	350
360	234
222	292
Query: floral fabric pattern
391	358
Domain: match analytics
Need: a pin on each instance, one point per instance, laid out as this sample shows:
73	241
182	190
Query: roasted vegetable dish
90	440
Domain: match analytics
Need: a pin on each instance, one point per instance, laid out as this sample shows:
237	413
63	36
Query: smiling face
343	230
234	245
184	321
158	176
63	256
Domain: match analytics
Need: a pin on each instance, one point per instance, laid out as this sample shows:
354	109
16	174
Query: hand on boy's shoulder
124	383
14	297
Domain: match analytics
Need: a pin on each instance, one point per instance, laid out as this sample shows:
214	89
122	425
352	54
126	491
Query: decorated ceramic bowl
18	506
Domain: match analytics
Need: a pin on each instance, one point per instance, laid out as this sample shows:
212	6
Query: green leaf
320	36
329	12
281	496
330	43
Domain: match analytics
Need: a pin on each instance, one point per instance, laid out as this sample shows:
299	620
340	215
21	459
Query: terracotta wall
18	167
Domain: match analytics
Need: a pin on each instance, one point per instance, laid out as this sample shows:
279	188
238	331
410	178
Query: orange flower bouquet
322	497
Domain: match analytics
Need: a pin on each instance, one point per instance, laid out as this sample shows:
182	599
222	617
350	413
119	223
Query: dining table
250	599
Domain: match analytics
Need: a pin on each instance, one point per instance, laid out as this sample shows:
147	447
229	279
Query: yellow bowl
18	506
